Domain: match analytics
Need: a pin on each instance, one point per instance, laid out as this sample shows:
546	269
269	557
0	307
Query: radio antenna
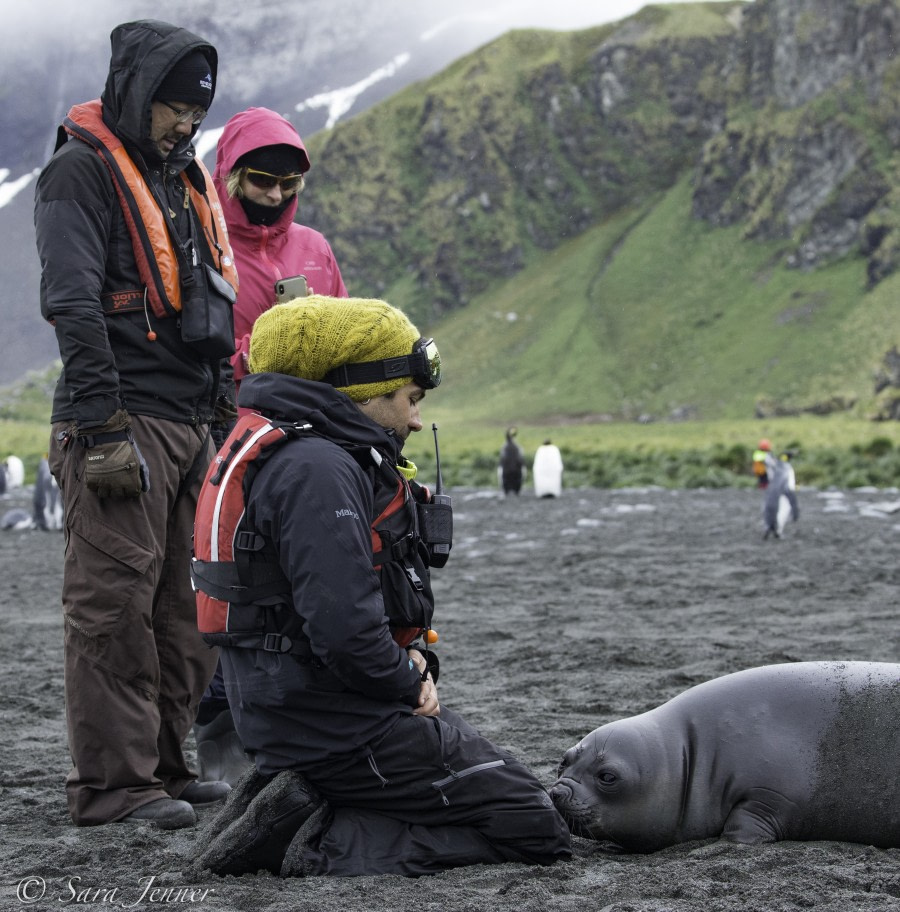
439	489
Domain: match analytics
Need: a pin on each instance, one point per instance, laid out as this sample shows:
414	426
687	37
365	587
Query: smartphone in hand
288	289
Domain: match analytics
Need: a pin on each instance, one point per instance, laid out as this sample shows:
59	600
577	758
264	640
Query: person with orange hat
761	457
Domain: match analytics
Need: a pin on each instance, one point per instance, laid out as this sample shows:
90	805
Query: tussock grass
838	450
835	451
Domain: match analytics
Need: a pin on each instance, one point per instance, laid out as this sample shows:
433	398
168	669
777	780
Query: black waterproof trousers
434	794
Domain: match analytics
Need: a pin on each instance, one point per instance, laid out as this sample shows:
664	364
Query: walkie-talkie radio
436	517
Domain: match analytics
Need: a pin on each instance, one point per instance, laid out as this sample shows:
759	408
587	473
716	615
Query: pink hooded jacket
266	254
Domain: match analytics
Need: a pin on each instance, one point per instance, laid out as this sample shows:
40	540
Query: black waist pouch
207	315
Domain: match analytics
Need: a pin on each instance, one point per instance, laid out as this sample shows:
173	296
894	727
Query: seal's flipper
758	818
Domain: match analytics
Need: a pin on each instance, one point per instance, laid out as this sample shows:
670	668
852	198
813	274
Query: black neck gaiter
257	214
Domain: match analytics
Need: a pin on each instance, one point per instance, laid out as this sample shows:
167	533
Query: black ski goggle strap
423	365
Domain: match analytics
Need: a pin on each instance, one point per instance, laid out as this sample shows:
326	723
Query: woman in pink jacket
260	163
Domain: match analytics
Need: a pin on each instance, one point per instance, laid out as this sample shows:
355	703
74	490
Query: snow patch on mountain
339	101
8	190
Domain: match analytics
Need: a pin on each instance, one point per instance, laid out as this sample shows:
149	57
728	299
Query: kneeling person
345	720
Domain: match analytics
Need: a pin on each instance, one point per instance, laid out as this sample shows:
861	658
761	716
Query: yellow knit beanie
308	337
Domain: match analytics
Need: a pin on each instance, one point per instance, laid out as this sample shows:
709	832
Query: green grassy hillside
655	312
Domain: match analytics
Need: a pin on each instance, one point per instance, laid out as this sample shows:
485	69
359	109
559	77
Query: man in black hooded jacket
134	252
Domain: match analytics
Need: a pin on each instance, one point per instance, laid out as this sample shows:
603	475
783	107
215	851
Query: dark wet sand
555	616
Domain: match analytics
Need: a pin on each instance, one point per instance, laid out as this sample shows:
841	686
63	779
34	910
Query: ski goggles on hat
289	183
423	365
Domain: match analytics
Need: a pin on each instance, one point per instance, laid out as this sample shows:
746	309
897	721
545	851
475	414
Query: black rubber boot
258	839
220	754
165	813
205	794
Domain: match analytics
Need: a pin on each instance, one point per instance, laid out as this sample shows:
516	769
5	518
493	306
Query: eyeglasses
184	115
423	365
289	183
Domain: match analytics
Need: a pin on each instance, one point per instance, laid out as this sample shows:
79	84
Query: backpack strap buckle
277	642
248	540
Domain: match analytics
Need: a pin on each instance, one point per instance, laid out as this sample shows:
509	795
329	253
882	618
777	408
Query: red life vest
153	250
240	586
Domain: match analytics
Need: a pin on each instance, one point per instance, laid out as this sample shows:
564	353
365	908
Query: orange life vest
154	252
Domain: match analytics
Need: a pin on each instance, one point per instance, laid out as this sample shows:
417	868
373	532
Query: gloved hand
113	465
224	420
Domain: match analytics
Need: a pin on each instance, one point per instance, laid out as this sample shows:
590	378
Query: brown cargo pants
135	665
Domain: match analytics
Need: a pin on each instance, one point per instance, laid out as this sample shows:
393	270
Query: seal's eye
607	777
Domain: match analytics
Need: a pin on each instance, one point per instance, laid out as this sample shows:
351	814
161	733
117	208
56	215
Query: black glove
113	465
223	422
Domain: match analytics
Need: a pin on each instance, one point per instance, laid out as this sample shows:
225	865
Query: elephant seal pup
799	751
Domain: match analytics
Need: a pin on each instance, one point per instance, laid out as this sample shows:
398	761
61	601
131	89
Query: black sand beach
554	616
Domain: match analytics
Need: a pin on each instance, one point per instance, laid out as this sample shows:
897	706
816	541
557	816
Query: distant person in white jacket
547	470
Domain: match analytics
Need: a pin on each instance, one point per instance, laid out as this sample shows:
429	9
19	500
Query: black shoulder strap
62	137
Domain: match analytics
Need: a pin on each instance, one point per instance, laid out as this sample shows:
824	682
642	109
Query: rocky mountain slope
785	112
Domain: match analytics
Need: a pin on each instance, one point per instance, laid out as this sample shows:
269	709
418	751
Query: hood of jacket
332	413
143	52
246	131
